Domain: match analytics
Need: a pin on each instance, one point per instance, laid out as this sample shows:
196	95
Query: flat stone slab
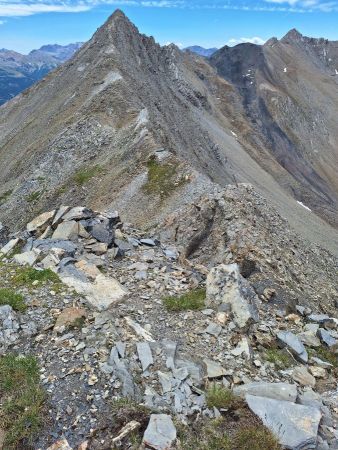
40	222
101	294
277	391
160	433
144	355
296	426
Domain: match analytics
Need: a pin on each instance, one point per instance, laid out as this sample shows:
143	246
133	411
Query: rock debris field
139	348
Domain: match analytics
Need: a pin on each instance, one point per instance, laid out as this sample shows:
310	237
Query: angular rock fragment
303	376
295	425
40	222
277	391
27	258
293	343
68	230
144	355
213	369
100	294
226	287
70	317
326	337
160	433
6	249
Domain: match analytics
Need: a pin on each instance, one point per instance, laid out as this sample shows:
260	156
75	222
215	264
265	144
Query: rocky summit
168	249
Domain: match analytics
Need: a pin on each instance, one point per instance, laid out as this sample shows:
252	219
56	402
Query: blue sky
28	24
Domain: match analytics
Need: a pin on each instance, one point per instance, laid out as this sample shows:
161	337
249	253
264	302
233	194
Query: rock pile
113	338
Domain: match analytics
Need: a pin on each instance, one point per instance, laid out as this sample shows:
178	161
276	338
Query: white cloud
254	40
307	5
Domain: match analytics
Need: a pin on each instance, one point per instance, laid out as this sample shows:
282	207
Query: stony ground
162	346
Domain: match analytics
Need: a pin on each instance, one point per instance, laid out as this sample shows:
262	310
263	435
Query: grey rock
294	344
160	433
144	355
101	233
320	363
226	286
6	249
194	370
277	391
295	425
318	318
310	398
326	337
122	372
78	213
59	215
27	258
148	242
45	245
214	329
166	380
303	376
68	231
213	369
309	339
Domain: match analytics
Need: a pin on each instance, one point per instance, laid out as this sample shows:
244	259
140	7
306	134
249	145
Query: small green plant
207	436
5	196
22	400
33	197
83	175
220	397
324	353
163	179
27	275
255	438
11	298
279	357
192	300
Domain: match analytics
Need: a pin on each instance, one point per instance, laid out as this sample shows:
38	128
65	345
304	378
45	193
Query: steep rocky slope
18	72
128	123
289	91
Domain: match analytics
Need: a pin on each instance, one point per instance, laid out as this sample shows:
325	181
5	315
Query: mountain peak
292	35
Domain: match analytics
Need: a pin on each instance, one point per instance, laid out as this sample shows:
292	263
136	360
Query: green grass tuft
279	357
255	438
163	179
220	397
5	196
83	175
192	300
11	298
27	275
22	401
33	197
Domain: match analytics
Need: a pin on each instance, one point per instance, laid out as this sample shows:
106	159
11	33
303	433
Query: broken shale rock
160	433
228	290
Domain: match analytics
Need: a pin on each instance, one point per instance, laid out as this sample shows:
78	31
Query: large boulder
227	289
40	223
296	426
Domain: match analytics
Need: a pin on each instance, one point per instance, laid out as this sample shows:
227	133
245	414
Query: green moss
22	401
33	197
192	300
163	179
27	275
221	398
10	297
255	438
5	196
279	357
82	176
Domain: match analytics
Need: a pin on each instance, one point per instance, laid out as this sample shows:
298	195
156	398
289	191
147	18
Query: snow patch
285	69
304	206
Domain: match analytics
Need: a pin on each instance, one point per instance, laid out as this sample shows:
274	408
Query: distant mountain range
18	72
207	52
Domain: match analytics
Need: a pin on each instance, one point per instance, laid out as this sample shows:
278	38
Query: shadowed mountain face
146	129
18	72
